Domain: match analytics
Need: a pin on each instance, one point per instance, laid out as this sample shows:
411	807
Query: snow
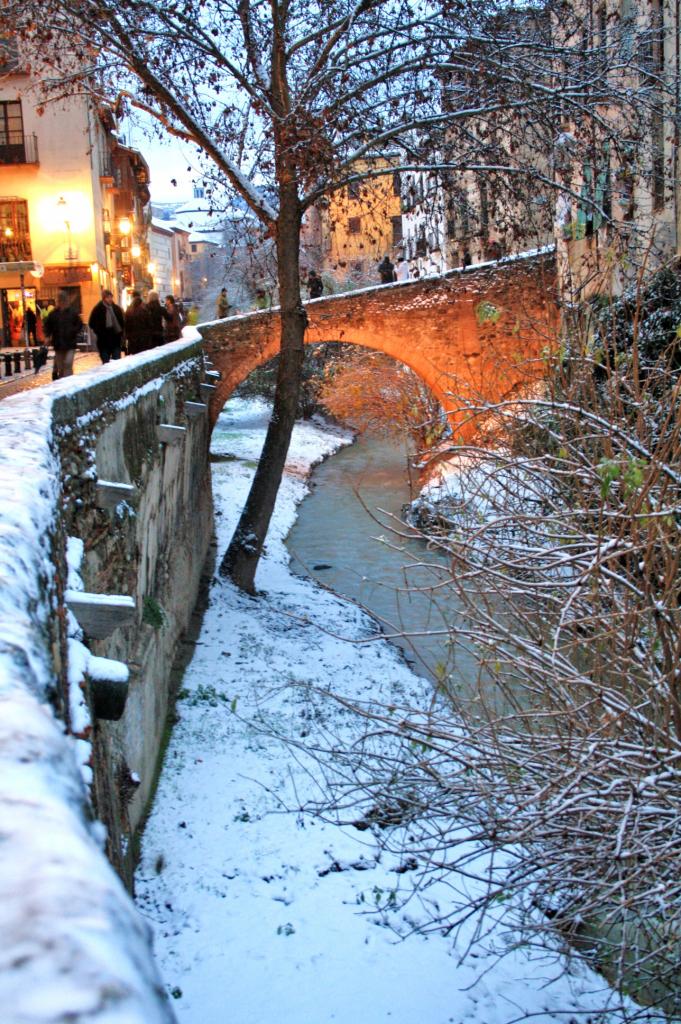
262	911
73	946
113	600
130	488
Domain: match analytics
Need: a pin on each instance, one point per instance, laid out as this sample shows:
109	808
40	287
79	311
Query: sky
173	164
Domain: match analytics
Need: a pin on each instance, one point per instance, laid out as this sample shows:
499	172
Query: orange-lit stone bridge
472	336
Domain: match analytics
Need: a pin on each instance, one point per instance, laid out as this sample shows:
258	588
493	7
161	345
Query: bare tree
291	99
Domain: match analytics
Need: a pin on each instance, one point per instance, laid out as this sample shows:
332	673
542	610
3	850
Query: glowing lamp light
136	251
125	226
94	268
151	268
9	233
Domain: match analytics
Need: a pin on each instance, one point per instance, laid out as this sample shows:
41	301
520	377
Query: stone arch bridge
472	335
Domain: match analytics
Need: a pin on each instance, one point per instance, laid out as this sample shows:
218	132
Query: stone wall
150	545
105	519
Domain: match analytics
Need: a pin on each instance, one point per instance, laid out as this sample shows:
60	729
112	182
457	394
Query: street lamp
65	216
125	225
136	250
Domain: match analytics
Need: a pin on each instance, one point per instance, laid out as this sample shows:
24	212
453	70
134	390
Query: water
349	536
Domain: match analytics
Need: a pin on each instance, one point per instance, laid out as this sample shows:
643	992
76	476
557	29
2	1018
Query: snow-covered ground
259	910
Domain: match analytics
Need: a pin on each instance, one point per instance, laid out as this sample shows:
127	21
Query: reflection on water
357	497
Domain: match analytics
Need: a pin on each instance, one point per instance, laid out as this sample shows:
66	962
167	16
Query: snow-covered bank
260	911
73	946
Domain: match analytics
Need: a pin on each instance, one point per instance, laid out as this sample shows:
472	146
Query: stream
349	537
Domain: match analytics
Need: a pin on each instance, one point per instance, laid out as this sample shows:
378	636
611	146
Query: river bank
261	910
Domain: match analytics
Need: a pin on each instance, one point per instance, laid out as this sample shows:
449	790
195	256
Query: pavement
26	380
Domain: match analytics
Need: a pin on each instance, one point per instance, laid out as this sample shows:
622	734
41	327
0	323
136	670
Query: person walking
223	304
386	269
172	324
402	271
108	324
137	326
155	315
315	285
31	325
62	328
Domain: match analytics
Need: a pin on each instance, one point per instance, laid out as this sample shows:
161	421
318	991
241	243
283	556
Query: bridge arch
271	350
470	335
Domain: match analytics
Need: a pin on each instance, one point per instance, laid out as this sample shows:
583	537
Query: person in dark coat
172	321
63	327
31	325
108	323
315	285
137	326
155	314
386	269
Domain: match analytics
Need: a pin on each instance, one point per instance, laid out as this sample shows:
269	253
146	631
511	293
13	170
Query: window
596	208
602	26
13	148
194	247
9	53
15	240
354	225
397	229
397	183
484	206
628	23
657	139
73	291
353	190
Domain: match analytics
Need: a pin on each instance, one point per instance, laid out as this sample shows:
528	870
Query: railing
18	149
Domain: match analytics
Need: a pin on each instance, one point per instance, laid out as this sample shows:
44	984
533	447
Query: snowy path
250	924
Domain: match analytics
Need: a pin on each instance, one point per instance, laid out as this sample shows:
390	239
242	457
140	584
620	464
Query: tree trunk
241	558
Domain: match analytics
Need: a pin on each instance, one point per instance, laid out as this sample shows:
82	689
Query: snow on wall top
73	945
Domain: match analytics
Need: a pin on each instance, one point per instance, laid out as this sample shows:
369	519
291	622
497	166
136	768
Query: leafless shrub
553	779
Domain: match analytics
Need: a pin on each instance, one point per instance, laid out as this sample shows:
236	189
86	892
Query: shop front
28	290
19	298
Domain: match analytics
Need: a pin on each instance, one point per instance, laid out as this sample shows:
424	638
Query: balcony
18	149
109	174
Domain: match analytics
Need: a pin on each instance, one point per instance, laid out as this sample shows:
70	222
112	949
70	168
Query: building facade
348	233
620	211
168	253
72	202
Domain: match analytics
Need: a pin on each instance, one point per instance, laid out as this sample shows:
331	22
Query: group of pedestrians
142	326
388	272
